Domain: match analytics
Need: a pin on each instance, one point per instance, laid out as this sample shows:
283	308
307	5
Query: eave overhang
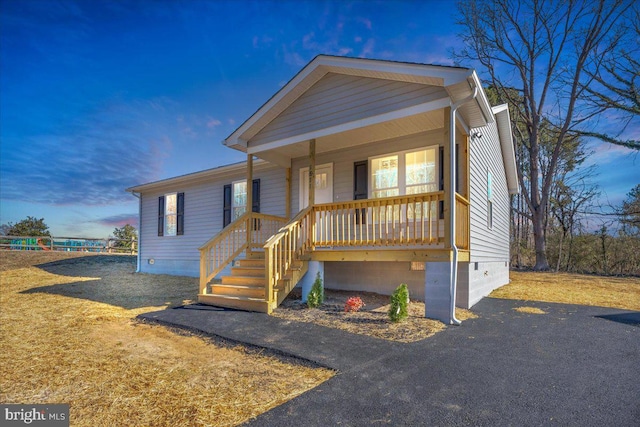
503	122
204	176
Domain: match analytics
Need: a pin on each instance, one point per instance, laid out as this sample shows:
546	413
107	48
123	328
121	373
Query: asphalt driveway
574	366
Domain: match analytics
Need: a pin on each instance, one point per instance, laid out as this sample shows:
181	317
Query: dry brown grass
67	336
372	320
530	310
616	292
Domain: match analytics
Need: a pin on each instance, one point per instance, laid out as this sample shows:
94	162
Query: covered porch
412	130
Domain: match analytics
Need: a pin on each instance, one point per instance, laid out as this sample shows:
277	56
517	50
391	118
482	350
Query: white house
372	173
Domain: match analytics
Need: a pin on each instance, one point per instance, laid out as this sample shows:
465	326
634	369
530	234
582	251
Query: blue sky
97	96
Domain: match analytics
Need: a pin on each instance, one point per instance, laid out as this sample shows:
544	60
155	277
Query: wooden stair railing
246	233
285	255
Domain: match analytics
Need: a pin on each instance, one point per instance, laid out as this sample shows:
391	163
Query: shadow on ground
626	318
116	283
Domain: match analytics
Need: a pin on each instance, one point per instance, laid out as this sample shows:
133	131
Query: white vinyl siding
202	220
489	242
337	99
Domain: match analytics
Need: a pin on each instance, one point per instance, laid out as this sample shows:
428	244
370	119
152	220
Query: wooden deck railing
248	232
401	220
411	220
286	248
462	222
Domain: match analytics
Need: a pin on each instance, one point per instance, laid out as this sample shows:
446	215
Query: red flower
353	304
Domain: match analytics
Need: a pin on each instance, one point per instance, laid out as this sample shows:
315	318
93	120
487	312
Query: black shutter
255	190
180	216
361	186
226	205
255	205
360	180
161	216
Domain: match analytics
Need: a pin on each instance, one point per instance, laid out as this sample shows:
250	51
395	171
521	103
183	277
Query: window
235	200
409	172
420	171
239	200
384	177
171	214
489	200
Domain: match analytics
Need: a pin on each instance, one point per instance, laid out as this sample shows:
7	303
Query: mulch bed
372	319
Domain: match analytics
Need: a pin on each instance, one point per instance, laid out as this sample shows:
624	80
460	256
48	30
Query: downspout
138	196
453	273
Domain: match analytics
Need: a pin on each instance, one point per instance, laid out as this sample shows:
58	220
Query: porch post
312	172
466	167
312	189
447	176
287	197
249	206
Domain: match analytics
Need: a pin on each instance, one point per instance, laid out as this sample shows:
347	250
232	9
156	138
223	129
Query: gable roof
204	176
457	81
503	121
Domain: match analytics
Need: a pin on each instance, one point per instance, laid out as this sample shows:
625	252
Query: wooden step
240	303
250	263
238	291
248	271
244	280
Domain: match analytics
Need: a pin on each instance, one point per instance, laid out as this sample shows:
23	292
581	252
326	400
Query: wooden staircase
247	288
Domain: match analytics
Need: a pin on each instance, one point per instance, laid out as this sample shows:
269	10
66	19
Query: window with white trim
239	199
405	172
402	173
170	214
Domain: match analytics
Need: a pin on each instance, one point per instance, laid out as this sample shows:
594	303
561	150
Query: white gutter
453	272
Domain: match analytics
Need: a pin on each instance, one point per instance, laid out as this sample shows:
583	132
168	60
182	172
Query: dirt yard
67	335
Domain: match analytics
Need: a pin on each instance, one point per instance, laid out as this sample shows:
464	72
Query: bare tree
615	83
572	194
540	48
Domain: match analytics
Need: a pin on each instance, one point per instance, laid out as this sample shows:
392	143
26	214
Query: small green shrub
398	309
316	295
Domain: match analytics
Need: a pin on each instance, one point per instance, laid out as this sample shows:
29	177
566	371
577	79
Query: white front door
324	185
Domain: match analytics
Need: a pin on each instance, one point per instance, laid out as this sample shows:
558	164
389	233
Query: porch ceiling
359	136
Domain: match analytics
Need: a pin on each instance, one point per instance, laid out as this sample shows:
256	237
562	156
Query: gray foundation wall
384	277
476	280
174	267
379	277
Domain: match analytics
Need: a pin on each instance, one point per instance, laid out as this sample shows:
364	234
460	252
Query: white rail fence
69	244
